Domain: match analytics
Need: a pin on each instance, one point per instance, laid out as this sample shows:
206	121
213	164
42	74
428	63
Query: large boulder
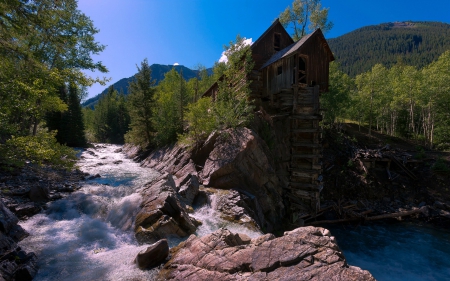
39	193
15	264
26	209
162	213
240	160
236	207
7	219
188	188
307	253
154	255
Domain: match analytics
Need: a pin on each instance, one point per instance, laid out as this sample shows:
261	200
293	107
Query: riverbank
93	220
377	175
25	193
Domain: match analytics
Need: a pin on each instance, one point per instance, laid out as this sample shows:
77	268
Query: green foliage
440	166
68	124
337	100
110	120
305	16
350	163
420	153
232	107
44	44
400	101
416	44
371	86
200	120
171	100
267	134
141	106
40	149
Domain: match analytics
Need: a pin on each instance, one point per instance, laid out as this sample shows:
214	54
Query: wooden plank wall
301	104
306	151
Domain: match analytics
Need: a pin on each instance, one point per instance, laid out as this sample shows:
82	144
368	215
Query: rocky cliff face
162	213
240	161
236	167
234	160
306	253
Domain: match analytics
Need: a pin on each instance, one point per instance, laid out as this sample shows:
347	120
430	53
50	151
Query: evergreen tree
141	106
76	136
69	124
171	99
110	119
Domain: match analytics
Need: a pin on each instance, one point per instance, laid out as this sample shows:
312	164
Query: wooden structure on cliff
287	80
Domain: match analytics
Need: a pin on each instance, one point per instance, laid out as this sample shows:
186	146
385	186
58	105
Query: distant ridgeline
158	72
413	43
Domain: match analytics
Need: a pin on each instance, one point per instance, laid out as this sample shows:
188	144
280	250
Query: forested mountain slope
413	43
158	72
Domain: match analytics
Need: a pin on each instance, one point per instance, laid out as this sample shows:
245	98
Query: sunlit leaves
304	17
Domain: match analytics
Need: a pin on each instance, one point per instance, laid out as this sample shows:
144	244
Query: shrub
440	166
200	120
420	153
41	149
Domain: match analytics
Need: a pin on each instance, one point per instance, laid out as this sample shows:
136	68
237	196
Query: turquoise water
396	251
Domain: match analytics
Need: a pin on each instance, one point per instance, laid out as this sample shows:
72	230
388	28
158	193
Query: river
89	234
394	251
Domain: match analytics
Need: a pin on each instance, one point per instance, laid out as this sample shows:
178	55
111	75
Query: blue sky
192	32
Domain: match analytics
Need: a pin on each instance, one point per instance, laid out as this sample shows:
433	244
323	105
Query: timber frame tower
287	80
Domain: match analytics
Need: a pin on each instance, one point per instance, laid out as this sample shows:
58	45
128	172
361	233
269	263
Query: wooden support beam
306	156
315	130
302	185
305	173
300	195
299	206
379	217
306	117
304	144
314	170
403	167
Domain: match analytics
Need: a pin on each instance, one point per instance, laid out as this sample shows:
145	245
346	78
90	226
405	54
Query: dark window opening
276	41
302	64
302	70
279	70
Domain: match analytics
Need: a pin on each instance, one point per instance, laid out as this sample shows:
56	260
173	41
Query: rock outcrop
162	213
232	206
153	256
306	253
15	264
235	159
240	161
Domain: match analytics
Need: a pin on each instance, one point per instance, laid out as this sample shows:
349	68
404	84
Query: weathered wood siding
280	75
263	49
319	62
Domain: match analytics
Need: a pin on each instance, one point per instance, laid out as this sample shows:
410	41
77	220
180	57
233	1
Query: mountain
413	43
158	71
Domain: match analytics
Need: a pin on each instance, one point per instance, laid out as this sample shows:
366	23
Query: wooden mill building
287	80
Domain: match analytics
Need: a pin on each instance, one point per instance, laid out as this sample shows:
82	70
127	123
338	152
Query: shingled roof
296	46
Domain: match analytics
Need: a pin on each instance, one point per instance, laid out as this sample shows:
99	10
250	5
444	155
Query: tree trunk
370	114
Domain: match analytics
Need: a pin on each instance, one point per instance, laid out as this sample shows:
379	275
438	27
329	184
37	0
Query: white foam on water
89	234
211	221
